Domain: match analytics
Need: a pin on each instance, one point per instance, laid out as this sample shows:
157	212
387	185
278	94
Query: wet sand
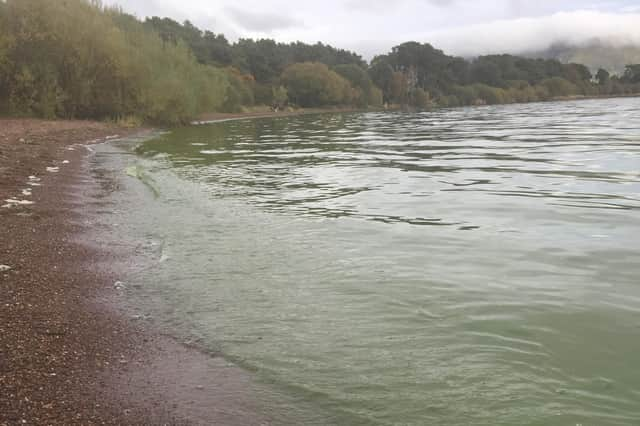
70	353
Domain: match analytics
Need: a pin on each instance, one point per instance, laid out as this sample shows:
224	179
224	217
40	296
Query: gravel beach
68	354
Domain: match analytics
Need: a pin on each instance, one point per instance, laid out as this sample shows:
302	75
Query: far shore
216	117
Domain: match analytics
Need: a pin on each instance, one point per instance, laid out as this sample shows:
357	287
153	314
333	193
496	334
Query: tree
78	59
576	73
420	99
312	84
558	87
239	91
381	73
359	80
280	97
399	88
603	77
631	74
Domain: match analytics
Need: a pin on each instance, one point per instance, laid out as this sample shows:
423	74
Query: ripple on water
467	266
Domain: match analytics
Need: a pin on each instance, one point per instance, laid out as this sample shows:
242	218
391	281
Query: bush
420	99
312	84
558	87
375	97
78	59
239	91
361	82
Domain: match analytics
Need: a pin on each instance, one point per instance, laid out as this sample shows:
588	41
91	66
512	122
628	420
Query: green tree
312	84
420	99
558	87
631	74
280	97
78	59
359	80
381	73
603	77
399	88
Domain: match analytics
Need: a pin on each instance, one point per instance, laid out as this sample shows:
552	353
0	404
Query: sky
370	27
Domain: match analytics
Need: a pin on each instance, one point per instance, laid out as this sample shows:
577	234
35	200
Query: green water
462	267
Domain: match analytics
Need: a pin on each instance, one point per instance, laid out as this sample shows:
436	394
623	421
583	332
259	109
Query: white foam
26	192
66	162
14	202
53	169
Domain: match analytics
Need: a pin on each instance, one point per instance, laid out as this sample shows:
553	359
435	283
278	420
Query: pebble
119	285
5	268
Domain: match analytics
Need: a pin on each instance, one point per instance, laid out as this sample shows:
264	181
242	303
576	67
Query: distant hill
595	55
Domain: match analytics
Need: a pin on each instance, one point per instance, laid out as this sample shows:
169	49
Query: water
471	266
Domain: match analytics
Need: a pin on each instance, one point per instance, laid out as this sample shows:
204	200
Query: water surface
470	266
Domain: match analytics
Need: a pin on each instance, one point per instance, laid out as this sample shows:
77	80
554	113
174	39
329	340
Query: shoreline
71	353
219	117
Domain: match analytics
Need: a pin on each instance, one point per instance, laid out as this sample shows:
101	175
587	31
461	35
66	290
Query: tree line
418	74
80	59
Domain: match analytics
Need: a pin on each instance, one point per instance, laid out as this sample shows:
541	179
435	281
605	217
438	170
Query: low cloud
375	6
370	27
532	34
261	22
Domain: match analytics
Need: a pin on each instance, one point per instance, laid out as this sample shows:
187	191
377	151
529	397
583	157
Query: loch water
474	266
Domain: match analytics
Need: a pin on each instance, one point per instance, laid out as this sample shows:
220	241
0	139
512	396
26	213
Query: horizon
457	27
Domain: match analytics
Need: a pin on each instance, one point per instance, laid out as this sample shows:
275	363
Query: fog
370	27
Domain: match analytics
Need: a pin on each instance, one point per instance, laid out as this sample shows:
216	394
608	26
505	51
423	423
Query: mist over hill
595	54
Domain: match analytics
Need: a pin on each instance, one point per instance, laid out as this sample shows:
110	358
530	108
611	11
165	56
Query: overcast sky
462	27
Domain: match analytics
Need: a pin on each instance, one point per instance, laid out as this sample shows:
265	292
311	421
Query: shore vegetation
81	59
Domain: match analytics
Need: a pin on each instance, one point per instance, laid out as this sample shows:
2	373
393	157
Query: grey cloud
381	5
530	34
261	22
462	27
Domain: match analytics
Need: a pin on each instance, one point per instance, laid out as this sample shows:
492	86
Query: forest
80	59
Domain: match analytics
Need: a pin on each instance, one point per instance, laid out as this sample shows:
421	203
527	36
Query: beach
70	353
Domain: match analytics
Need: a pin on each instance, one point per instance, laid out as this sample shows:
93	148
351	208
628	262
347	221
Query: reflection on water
470	266
342	165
